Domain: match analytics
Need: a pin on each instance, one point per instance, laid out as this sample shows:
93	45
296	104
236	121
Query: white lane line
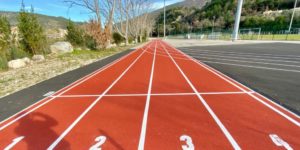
156	94
242	55
247	58
250	66
50	93
254	54
145	117
63	90
251	62
222	76
56	142
255	97
258	67
211	112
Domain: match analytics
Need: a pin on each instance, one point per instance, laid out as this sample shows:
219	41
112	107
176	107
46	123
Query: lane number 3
100	141
279	142
189	142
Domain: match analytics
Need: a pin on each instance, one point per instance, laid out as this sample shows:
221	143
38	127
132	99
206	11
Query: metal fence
294	35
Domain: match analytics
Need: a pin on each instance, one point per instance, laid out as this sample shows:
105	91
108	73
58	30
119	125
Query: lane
172	117
249	120
115	120
45	124
118	119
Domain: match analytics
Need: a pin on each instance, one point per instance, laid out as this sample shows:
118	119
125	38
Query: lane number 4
279	142
14	142
189	142
100	141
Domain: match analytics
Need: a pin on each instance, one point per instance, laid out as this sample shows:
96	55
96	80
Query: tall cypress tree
4	34
32	36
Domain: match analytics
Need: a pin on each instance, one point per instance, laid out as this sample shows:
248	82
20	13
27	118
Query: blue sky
59	8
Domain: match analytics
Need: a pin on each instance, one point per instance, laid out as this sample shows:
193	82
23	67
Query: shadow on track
37	131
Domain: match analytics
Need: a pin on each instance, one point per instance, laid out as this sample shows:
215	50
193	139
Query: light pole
164	18
292	18
235	33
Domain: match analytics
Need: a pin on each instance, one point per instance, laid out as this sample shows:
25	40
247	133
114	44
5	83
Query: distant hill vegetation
186	16
190	3
185	3
48	22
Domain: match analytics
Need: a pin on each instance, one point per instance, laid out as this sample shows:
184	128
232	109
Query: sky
59	8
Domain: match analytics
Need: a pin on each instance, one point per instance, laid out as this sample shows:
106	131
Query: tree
75	35
100	9
121	18
141	19
32	37
5	34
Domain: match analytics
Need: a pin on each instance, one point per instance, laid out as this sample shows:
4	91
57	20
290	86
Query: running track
156	97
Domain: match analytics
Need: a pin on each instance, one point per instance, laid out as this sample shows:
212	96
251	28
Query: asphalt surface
18	101
272	69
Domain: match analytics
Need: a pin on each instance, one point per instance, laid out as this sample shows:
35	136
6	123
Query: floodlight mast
164	18
292	18
235	33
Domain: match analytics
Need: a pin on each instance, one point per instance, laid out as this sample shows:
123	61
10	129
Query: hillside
49	22
190	3
219	15
186	3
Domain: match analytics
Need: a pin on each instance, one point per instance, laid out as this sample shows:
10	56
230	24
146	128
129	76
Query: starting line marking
156	94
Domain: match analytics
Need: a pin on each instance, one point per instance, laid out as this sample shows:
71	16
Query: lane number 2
189	142
100	141
280	142
14	142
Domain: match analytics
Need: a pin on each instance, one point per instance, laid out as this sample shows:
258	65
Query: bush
3	62
16	53
130	40
75	35
90	42
118	38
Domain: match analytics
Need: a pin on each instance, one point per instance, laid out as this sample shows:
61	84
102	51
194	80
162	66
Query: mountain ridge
48	22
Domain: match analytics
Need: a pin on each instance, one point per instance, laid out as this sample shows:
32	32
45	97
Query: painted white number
15	141
279	142
100	141
189	143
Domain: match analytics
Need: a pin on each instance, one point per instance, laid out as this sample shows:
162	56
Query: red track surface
154	98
